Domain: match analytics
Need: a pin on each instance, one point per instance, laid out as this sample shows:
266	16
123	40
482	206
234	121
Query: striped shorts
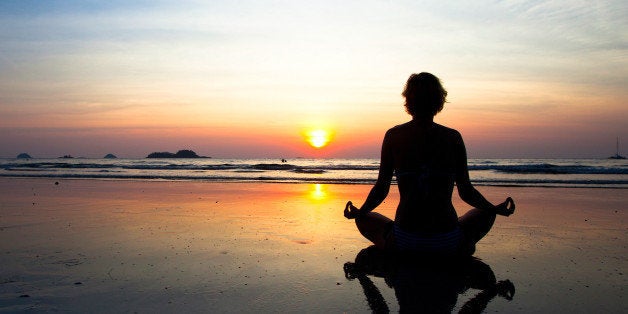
443	243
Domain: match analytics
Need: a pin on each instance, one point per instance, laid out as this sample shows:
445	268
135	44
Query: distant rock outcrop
23	156
110	156
160	155
185	153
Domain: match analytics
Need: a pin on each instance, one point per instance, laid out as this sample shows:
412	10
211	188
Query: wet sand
131	246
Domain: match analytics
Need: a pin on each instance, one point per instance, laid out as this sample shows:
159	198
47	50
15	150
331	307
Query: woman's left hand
351	211
506	208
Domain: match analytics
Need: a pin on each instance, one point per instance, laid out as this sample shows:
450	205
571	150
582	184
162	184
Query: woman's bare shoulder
447	131
405	131
398	130
399	127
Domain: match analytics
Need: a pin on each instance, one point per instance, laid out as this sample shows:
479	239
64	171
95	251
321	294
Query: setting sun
318	138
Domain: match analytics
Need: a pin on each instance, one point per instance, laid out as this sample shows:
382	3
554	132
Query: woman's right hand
351	211
506	208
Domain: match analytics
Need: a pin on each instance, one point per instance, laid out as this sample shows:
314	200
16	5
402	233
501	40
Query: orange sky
247	79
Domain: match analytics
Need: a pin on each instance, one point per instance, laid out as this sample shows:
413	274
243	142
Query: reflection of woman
430	289
427	159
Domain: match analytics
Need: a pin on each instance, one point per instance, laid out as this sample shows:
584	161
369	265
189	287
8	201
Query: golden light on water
318	192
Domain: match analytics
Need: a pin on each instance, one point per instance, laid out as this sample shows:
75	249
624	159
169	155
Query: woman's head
425	96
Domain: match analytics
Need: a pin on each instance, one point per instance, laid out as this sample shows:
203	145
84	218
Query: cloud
285	63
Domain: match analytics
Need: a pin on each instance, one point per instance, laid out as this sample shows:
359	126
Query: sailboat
617	155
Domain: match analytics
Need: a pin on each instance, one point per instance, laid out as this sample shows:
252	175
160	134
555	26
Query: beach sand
133	246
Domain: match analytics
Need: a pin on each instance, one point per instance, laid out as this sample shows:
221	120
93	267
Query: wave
272	166
504	172
194	178
540	168
545	168
190	166
310	171
622	184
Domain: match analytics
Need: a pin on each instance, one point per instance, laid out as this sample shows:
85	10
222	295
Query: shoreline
566	173
103	246
281	181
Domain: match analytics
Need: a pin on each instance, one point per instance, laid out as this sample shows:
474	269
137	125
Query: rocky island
185	153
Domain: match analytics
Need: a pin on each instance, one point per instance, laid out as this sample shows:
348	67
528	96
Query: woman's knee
477	219
475	224
373	226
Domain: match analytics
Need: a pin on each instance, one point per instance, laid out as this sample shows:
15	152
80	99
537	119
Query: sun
318	138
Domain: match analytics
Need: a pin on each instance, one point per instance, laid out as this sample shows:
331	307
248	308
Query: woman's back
423	156
427	159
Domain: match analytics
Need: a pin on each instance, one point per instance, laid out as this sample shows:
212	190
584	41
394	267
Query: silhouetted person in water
427	159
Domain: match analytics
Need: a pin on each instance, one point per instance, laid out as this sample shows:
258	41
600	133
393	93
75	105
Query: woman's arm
382	186
465	189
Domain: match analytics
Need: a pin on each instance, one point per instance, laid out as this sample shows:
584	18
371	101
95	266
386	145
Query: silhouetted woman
427	159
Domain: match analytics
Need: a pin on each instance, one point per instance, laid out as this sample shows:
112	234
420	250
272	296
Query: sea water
596	173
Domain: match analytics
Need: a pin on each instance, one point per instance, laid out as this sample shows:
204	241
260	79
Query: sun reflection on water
318	192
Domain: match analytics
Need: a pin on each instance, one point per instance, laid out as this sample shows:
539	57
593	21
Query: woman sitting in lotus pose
427	159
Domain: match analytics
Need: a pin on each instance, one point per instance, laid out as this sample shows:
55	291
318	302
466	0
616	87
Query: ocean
592	173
